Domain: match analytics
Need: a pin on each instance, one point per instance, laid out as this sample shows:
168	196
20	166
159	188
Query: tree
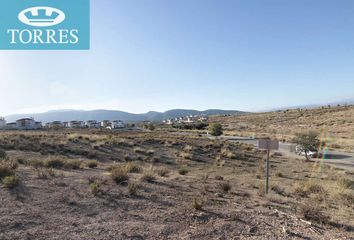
308	142
215	129
151	127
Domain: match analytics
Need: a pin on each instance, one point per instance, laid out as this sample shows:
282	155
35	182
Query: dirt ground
178	187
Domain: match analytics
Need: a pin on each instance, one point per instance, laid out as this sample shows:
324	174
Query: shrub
132	168
45	173
3	154
162	172
139	150
120	175
92	154
219	178
95	188
278	190
225	187
127	158
150	152
35	163
312	212
148	176
5	171
54	162
299	191
11	182
197	205
279	174
133	188
186	155
72	164
183	170
345	183
228	154
315	188
92	164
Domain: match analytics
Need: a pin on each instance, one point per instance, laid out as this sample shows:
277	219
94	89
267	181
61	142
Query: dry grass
120	175
197	204
92	164
148	176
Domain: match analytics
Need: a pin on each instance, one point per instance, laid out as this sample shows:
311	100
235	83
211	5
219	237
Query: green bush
215	129
95	188
11	182
183	170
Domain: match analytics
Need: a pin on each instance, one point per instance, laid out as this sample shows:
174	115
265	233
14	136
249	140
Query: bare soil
60	204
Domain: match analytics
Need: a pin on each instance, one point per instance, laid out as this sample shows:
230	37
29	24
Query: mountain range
100	115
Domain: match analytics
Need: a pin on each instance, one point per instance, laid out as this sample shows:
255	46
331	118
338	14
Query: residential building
28	124
117	124
11	126
106	124
55	125
2	123
76	124
93	124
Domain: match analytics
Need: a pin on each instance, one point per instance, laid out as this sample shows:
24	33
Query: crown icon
41	15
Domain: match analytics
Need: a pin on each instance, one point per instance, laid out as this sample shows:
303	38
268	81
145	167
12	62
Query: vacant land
151	185
334	124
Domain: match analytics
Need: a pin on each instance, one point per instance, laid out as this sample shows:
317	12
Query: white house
2	123
55	124
11	125
106	124
93	124
76	124
117	124
27	124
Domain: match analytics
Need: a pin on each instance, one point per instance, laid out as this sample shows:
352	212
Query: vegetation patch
183	170
120	175
11	182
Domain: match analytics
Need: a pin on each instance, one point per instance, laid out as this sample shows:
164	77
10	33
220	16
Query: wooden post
267	172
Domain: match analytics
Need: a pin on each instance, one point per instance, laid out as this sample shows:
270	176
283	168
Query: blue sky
157	55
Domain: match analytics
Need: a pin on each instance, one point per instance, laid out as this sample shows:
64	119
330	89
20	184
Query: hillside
100	115
335	124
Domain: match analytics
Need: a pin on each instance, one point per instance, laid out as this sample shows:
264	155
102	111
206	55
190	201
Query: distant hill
100	115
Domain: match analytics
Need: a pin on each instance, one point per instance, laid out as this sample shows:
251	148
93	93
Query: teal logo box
45	24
